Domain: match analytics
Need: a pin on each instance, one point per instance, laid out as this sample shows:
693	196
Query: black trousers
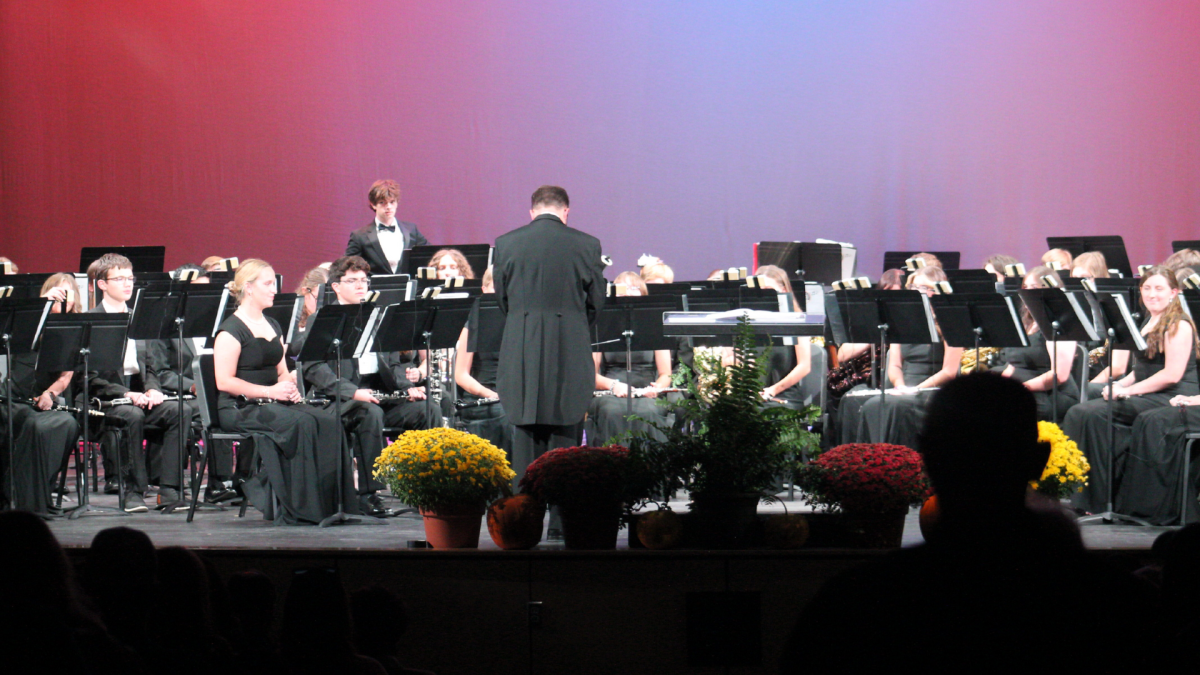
161	423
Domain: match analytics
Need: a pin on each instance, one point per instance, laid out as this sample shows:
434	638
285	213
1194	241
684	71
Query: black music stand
971	281
427	324
884	317
75	341
1177	246
478	256
1067	318
894	260
20	322
1111	246
143	258
821	263
485	325
639	321
328	332
974	320
184	311
1123	333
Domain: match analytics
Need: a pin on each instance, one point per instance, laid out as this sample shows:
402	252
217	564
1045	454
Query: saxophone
987	355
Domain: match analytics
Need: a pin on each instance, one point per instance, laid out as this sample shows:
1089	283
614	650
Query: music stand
821	263
1067	319
478	256
142	258
329	330
72	341
20	321
975	320
1123	333
1177	246
639	321
1111	246
894	260
971	281
184	311
427	324
883	317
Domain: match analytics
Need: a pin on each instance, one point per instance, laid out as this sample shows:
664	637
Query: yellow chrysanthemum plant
438	468
1067	469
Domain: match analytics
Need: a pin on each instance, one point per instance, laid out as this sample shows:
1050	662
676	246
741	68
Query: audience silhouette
1004	582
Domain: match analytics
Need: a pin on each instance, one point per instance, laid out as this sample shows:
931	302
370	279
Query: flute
639	392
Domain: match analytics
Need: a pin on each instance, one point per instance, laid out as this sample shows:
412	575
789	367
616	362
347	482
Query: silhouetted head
121	571
980	444
379	620
34	572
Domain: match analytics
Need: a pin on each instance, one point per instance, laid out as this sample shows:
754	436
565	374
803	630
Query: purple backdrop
684	129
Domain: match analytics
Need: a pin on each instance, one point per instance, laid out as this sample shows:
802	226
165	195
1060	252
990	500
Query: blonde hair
933	273
658	271
488	279
1093	262
1059	255
60	279
632	279
309	284
247	272
464	267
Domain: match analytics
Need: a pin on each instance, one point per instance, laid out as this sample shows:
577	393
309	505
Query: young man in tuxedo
383	242
147	411
363	415
550	285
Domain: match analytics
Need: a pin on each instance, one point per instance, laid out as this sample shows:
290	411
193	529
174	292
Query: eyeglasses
122	280
363	281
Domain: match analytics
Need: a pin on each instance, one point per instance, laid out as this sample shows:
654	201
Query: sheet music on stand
976	320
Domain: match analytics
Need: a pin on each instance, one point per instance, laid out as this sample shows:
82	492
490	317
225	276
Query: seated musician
147	414
1032	365
164	362
296	444
912	370
450	263
1058	259
1091	265
364	415
475	373
658	273
785	376
651	372
42	436
996	264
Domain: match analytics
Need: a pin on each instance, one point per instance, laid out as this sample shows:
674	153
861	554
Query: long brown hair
309	284
1037	274
61	279
464	267
1172	316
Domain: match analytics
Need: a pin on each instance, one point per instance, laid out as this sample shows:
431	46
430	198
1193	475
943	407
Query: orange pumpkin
930	514
785	530
515	523
658	530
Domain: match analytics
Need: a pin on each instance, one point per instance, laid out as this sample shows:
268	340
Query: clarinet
55	408
104	405
244	401
392	396
463	404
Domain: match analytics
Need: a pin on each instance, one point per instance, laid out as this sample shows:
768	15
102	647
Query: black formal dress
159	426
550	284
607	414
866	419
42	438
1032	361
297	444
1087	424
364	242
1151	484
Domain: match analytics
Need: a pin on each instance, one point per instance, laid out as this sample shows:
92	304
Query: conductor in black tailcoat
549	282
383	242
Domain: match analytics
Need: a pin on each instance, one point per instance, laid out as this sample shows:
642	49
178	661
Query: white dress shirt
392	244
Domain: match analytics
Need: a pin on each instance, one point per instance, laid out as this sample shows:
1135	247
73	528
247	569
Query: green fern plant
725	438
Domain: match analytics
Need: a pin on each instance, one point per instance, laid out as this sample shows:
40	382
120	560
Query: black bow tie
387	228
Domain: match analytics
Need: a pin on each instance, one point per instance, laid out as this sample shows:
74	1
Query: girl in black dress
475	374
787	369
297	444
1166	369
650	372
1032	365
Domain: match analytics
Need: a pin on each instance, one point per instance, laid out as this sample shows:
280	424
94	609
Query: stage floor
213	529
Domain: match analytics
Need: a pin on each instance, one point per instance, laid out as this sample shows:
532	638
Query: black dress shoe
372	505
220	495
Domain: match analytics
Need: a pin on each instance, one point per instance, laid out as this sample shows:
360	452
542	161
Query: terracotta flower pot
659	530
591	528
453	526
874	530
515	523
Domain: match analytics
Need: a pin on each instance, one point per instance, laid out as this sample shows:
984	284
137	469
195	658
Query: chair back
1081	370
206	388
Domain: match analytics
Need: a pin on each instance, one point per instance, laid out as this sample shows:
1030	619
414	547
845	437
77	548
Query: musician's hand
365	396
650	392
413	374
619	389
57	294
45	401
488	393
139	399
155	397
1118	393
416	393
193	390
769	393
284	390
